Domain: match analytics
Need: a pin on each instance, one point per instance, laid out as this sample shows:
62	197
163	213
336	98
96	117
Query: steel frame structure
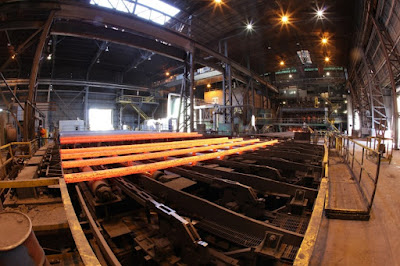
379	53
135	29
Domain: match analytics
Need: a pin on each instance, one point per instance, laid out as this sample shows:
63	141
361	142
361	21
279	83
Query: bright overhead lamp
290	76
249	26
328	73
282	63
285	19
324	40
13	57
218	1
320	13
167	74
327	59
208	85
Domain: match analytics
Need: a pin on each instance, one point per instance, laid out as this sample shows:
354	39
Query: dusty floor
373	242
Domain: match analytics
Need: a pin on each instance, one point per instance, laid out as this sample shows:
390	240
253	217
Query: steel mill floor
373	242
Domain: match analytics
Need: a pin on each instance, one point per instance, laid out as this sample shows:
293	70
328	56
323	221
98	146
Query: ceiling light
345	101
167	74
98	61
285	19
328	73
284	102
208	85
282	63
49	57
1	110
335	111
107	50
249	26
13	56
218	1
324	40
345	112
320	13
290	76
327	59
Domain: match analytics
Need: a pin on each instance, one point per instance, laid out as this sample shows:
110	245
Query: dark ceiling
270	41
263	48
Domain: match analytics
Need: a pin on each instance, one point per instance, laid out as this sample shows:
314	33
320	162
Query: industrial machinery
196	200
177	198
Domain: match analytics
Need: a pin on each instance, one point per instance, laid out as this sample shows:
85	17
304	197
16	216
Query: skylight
305	57
153	10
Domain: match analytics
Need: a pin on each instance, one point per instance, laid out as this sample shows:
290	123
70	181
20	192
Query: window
100	119
305	57
153	10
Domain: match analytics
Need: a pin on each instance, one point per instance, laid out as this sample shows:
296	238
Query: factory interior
199	132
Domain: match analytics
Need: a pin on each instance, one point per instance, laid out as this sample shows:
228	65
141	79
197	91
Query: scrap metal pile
180	198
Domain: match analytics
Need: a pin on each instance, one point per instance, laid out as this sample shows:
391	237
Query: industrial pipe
151	167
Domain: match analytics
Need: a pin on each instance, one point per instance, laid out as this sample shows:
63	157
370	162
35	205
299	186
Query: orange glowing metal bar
142	168
130	146
108	138
127	135
146	156
159	147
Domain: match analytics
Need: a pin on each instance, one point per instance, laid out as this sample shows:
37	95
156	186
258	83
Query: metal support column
86	108
121	110
364	102
191	87
29	128
392	63
378	112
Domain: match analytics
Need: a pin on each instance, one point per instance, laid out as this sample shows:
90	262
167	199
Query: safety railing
135	99
364	163
15	150
382	145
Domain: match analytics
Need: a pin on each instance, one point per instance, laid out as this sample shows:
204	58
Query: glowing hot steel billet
150	167
147	156
139	148
125	137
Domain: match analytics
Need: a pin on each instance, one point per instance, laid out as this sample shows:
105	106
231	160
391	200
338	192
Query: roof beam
101	49
129	22
142	58
21	25
84	30
68	82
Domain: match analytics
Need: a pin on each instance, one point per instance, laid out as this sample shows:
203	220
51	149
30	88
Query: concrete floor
373	242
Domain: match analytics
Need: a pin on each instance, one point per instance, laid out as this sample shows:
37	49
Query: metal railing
364	163
382	145
9	151
135	99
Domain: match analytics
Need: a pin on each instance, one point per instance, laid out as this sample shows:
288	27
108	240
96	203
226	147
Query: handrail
9	146
358	166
